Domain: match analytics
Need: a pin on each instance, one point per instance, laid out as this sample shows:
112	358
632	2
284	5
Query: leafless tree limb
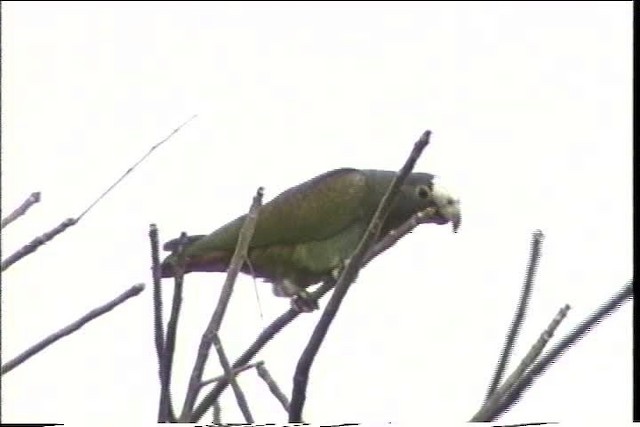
514	394
499	394
348	275
224	362
217	413
519	316
31	247
239	257
273	386
236	371
21	210
67	330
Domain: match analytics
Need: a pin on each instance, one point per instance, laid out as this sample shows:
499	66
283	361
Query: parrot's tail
217	261
172	245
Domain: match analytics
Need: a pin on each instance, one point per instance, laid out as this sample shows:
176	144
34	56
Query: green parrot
304	235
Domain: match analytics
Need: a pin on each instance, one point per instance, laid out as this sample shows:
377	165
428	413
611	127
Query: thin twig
518	373
67	330
239	256
348	275
287	317
606	309
31	247
236	371
273	386
135	165
21	210
519	315
224	362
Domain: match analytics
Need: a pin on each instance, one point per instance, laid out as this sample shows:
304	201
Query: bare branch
348	275
620	297
165	409
131	169
518	319
68	330
273	386
31	247
21	210
239	257
518	373
236	371
224	362
217	412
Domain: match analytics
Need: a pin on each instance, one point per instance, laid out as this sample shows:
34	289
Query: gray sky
530	108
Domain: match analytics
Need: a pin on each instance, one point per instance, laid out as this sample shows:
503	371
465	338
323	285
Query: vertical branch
239	256
348	275
165	409
231	377
518	319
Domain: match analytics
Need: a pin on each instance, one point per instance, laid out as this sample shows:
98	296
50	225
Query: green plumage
306	232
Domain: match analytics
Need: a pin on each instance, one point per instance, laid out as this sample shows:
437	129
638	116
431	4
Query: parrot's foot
304	302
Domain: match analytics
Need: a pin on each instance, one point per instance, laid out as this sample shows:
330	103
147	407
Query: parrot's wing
312	211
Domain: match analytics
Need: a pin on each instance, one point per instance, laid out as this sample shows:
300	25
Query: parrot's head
423	191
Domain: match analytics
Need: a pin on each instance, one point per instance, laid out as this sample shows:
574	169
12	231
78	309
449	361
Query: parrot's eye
423	191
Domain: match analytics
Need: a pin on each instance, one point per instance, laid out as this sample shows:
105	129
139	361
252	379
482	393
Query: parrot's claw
303	302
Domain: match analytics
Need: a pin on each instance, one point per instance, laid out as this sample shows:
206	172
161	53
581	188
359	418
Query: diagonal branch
231	377
239	256
31	247
22	209
517	375
348	275
273	386
68	330
619	298
518	319
236	371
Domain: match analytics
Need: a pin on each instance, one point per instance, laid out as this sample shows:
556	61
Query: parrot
304	235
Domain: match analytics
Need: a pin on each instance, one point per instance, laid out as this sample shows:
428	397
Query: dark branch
224	362
620	297
166	361
239	256
31	247
519	372
273	386
22	209
68	330
236	371
519	316
348	275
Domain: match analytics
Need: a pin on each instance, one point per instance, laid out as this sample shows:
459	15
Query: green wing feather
315	210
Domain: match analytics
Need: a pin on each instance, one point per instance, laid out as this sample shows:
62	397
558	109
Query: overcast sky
530	108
